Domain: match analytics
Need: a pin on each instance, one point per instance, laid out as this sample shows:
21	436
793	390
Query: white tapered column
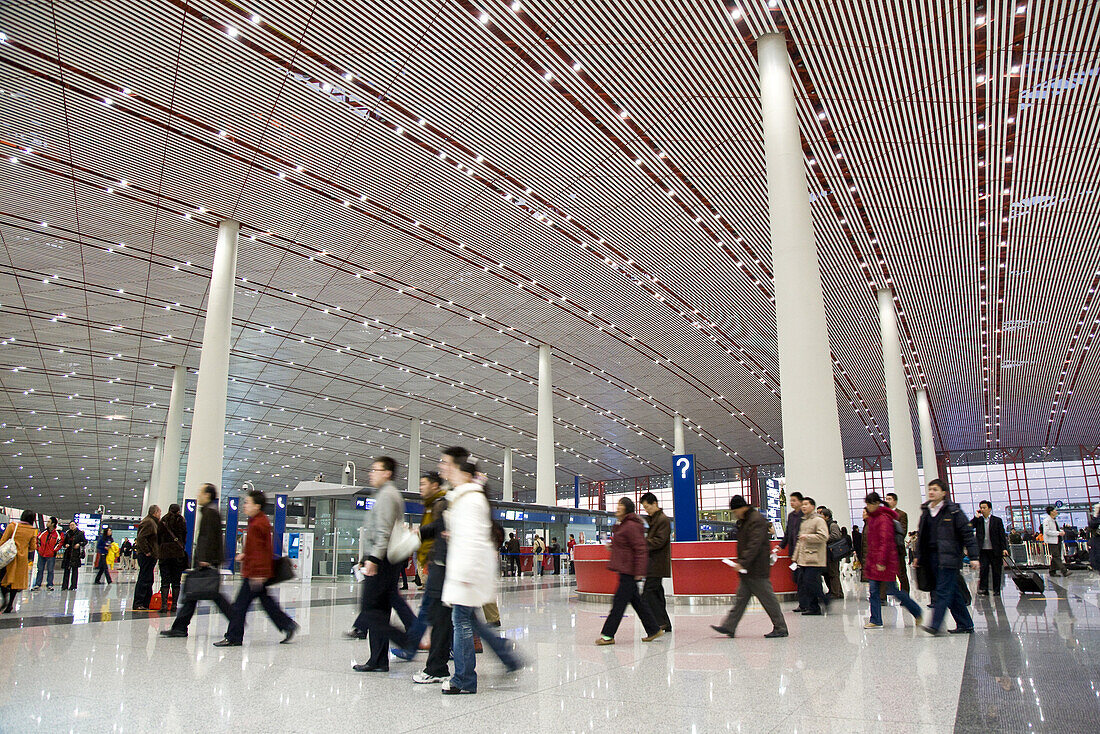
903	450
153	493
508	493
927	440
678	436
812	451
168	479
414	456
545	462
206	447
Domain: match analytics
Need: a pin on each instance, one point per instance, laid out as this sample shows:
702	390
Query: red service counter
697	569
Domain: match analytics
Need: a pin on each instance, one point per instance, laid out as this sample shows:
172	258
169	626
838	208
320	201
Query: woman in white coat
471	581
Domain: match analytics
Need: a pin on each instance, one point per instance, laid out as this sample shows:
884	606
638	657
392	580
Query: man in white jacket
380	584
1052	536
471	581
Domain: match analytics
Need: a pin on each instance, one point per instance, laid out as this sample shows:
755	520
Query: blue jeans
45	564
948	597
415	631
466	622
891	589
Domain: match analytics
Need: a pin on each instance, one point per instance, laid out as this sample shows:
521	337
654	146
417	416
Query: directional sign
685	507
280	522
189	507
231	533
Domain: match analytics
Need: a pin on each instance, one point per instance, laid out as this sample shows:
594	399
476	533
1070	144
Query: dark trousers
949	596
513	565
557	564
186	610
627	593
653	594
810	594
443	631
102	569
761	588
247	592
143	589
832	579
9	595
68	579
171	569
1056	563
992	562
379	591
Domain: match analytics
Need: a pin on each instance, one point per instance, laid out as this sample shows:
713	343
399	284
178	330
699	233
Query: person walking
433	549
18	571
471	579
790	535
209	553
102	548
753	568
256	569
944	534
810	555
629	559
658	539
72	556
50	541
147	549
172	554
832	565
380	583
891	501
883	560
1052	536
989	532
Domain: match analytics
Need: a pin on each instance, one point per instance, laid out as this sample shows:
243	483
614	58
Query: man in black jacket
72	556
790	537
944	535
657	539
754	568
989	531
208	553
147	549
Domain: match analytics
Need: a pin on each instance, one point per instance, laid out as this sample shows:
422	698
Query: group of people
48	544
458	542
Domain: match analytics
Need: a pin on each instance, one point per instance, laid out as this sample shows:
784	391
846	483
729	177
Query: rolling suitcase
1028	582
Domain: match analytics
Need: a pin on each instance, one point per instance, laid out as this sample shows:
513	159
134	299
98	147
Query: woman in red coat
629	559
880	563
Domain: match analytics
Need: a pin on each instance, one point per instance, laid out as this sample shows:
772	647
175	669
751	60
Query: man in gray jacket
380	583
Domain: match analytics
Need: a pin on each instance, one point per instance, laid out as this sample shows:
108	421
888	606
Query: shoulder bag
9	550
201	583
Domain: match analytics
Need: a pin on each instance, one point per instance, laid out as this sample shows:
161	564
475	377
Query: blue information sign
280	522
231	533
576	492
189	515
685	506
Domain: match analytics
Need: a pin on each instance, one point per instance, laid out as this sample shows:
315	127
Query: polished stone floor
82	662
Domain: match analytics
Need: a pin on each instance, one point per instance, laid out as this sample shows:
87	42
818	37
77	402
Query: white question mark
684	463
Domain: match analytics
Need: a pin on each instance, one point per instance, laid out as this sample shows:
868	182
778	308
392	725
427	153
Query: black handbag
281	570
840	548
926	578
201	583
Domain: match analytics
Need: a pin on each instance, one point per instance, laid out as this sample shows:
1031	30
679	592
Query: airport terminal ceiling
427	191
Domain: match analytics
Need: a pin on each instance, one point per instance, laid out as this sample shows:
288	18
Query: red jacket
258	548
881	563
629	552
49	542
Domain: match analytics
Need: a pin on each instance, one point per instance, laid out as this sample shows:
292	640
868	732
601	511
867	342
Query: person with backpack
944	534
50	541
832	565
18	570
471	582
883	560
538	548
172	553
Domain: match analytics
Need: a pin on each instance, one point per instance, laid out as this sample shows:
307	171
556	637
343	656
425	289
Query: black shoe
929	630
355	635
495	624
996	593
173	632
796	610
288	635
776	633
368	668
450	690
818	613
226	643
962	631
721	630
983	593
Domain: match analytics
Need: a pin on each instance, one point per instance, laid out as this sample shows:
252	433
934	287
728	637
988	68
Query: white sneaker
422	677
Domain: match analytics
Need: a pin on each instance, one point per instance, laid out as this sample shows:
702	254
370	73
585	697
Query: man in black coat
753	567
989	531
208	553
944	536
790	536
